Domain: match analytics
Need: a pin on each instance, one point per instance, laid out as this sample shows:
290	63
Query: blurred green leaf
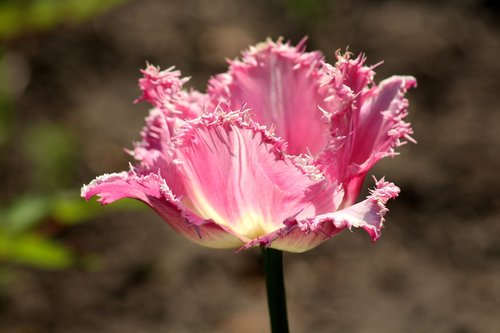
52	151
33	250
21	244
21	16
24	214
73	210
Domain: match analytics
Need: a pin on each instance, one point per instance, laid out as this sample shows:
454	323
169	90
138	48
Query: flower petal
381	126
234	173
299	235
380	129
281	85
155	151
173	107
158	87
163	90
153	191
368	127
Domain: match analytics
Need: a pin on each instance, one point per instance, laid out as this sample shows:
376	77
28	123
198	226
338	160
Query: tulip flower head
274	153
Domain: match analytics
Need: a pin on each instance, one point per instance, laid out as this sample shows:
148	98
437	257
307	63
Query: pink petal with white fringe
368	127
153	191
300	235
281	84
273	155
235	173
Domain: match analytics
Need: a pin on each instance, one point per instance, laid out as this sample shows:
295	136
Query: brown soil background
437	265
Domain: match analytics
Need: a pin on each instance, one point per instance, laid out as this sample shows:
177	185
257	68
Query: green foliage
31	224
23	215
28	212
34	250
21	16
25	236
52	152
22	243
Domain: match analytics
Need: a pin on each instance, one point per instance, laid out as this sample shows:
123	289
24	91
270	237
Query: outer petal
153	191
281	85
299	235
350	78
173	107
235	174
381	126
155	151
368	127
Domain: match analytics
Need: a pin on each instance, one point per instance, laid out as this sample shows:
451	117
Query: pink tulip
274	154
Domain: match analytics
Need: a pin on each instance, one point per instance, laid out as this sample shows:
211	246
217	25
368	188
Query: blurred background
68	76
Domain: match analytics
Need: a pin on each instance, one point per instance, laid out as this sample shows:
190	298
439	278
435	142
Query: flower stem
276	299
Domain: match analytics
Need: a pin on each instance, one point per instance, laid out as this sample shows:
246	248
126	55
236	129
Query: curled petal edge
223	116
163	90
158	87
305	234
153	191
281	84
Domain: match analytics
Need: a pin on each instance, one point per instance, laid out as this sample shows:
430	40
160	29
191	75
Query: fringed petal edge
299	235
152	190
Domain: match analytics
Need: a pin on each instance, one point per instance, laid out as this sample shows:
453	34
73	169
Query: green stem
276	299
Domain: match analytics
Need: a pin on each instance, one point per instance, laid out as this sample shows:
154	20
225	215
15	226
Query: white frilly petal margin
153	191
302	235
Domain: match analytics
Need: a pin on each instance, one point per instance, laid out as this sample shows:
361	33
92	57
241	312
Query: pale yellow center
250	224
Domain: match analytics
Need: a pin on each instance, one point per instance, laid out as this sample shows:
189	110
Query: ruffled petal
299	235
163	90
235	173
381	124
348	78
368	127
191	104
155	151
381	128
172	108
159	87
153	191
281	85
